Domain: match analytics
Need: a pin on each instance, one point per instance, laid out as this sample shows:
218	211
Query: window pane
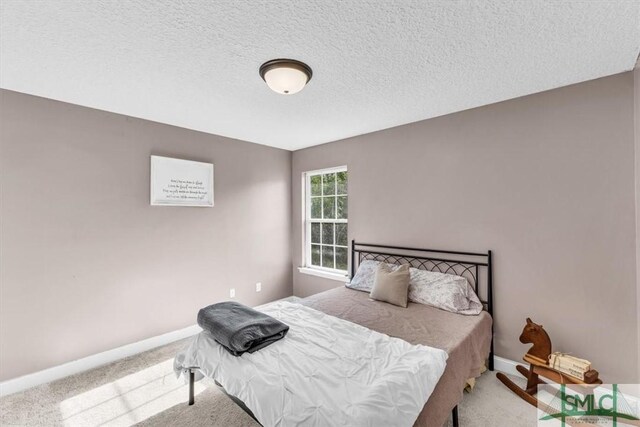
342	207
316	207
327	234
341	179
327	256
329	184
341	235
327	203
341	258
315	232
316	185
315	254
329	207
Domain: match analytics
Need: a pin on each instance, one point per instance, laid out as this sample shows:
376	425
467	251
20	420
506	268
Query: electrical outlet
258	287
232	293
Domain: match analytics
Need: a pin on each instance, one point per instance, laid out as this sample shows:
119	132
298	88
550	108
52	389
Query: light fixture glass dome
285	76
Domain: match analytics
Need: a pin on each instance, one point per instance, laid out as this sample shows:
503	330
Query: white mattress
326	371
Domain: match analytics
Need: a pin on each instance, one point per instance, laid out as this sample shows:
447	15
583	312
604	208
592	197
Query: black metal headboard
474	266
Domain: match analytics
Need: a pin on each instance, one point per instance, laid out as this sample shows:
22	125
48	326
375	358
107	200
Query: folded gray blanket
239	328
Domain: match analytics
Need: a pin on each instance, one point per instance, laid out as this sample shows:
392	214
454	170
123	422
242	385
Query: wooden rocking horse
538	359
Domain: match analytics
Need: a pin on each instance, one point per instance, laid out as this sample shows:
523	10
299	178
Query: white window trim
307	268
340	277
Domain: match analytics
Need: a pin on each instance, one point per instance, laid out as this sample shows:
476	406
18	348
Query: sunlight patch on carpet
128	400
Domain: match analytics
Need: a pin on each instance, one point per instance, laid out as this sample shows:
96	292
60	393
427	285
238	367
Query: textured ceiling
376	64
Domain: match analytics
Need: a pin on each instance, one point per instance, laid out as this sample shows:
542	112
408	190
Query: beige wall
545	181
636	98
88	265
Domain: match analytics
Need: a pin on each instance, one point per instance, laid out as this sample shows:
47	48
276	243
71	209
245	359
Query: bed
467	340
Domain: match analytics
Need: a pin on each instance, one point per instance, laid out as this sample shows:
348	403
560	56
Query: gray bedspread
239	328
466	339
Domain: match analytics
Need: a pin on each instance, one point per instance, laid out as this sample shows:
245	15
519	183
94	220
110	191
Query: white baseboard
55	373
507	366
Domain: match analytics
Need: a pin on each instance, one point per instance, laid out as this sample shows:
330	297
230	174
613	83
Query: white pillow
444	291
366	275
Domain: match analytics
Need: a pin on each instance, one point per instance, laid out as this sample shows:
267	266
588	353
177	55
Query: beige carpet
143	390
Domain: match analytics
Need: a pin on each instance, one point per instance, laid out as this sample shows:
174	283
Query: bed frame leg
491	357
191	381
454	415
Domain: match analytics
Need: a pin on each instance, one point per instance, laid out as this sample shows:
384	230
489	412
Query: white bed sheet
326	371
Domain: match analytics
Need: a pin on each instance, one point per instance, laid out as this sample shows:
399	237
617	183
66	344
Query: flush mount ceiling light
285	76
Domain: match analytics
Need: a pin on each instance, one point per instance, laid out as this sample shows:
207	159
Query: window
326	216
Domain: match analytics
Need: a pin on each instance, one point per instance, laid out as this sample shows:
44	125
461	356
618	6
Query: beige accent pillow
390	285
